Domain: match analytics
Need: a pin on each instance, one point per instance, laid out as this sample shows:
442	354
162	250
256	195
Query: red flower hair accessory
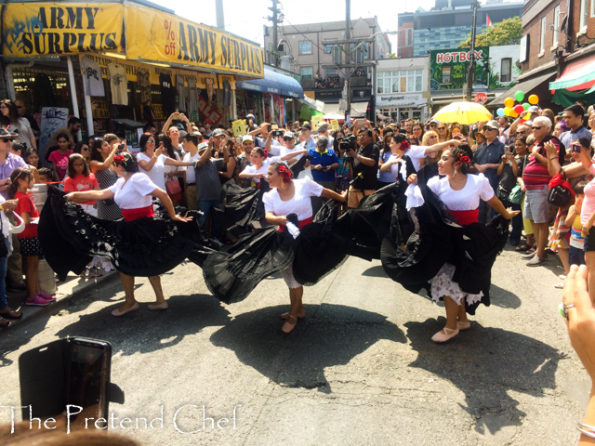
119	159
405	145
285	173
463	159
265	153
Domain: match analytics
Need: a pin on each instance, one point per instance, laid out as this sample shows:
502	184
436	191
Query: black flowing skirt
242	207
69	238
437	240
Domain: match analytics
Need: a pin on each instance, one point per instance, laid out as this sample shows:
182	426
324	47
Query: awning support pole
88	110
272	109
75	104
234	106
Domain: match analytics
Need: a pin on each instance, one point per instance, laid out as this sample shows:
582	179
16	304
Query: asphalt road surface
360	369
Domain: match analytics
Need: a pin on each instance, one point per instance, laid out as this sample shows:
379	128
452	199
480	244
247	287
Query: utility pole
348	56
275	20
471	68
220	16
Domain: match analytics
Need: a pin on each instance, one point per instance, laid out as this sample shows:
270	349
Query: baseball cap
217	132
492	125
247	138
323	127
288	135
202	146
306	126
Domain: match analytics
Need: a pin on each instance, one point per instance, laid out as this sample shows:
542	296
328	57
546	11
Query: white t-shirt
416	153
190	171
135	193
398	168
251	168
477	187
285	151
118	83
276	147
92	77
299	204
157	172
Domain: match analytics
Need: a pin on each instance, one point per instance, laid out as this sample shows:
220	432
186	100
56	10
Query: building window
542	38
556	26
445	76
328	49
582	27
410	37
505	69
306	72
305	47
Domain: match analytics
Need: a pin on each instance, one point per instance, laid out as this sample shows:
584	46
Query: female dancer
461	193
260	164
292	197
132	193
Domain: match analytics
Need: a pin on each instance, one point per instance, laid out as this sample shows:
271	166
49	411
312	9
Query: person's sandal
522	248
463	325
444	335
4	323
11	314
289	324
285	316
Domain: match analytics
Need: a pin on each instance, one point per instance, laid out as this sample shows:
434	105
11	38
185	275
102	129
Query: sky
246	18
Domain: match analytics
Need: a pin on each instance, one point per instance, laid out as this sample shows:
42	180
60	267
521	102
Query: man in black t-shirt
365	168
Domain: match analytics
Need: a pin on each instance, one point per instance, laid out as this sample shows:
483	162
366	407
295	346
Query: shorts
590	240
287	275
30	247
536	205
576	256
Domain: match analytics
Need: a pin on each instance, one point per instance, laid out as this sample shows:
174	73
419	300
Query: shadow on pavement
486	364
503	298
375	271
330	335
144	331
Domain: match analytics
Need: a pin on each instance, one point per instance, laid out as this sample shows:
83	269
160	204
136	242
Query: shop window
305	47
306	72
445	76
505	69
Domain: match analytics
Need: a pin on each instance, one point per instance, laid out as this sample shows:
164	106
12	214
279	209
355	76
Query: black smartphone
576	148
72	371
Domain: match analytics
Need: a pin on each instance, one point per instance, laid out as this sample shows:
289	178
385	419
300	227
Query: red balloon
519	109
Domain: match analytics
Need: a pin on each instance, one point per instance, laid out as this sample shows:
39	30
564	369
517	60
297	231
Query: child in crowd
32	159
79	179
45	175
344	173
21	181
59	157
576	253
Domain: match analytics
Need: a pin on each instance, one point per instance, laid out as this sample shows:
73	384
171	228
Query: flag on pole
488	21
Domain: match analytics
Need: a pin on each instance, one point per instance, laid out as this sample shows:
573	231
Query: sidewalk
72	287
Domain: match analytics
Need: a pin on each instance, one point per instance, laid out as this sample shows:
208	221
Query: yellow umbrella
463	112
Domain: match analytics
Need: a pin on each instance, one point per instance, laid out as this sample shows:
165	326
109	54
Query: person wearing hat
323	162
323	130
487	159
306	140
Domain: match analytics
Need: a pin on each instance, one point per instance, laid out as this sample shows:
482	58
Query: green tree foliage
506	32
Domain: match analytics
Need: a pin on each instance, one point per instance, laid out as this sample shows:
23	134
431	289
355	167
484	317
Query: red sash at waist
301	223
133	214
466	217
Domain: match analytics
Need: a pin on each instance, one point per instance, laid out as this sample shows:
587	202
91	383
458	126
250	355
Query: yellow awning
138	33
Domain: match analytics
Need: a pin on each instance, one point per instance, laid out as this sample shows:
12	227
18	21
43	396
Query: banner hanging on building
52	29
155	36
448	68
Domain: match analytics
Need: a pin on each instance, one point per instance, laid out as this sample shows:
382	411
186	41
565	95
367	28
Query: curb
66	291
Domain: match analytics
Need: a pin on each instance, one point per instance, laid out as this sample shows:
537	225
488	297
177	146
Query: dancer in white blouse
287	197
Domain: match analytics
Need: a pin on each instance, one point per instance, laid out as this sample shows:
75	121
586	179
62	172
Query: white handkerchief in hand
292	229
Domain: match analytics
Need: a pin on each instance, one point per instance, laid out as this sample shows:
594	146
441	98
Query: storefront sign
399	100
53	29
448	68
156	36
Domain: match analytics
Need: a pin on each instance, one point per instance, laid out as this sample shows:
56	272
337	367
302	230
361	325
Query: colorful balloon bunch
512	110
